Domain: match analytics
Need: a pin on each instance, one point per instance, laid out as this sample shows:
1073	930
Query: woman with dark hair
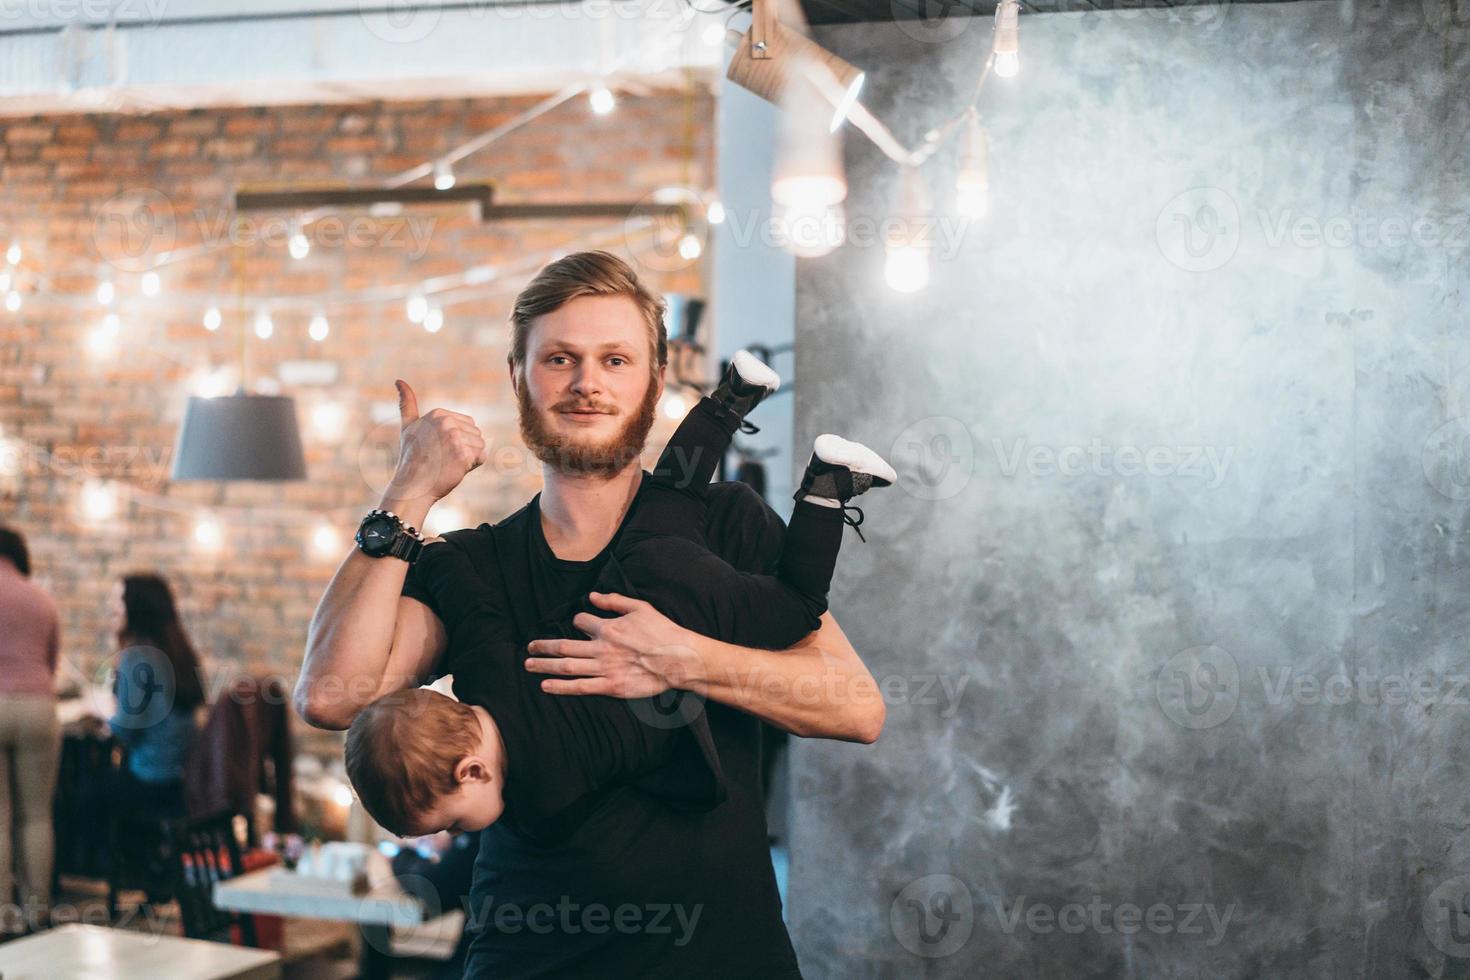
30	735
158	688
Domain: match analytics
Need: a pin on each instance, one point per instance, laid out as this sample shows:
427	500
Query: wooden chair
206	850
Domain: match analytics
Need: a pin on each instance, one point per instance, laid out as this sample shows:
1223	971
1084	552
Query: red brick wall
68	417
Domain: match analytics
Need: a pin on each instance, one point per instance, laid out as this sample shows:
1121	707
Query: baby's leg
694	451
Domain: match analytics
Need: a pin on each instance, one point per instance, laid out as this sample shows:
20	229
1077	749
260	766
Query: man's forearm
818	688
350	638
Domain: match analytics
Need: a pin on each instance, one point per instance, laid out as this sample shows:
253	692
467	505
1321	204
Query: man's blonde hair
595	273
402	750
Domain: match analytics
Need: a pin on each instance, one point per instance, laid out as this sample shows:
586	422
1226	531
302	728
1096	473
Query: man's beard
573	457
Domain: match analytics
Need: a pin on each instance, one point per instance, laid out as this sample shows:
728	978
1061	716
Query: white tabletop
99	953
275	891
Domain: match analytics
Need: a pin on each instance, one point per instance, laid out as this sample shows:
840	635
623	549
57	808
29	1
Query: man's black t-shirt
561	751
640	889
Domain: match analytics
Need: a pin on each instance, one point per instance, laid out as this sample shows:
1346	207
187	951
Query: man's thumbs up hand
435	451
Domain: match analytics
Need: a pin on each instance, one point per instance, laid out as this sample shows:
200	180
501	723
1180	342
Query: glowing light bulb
12	254
319	327
212	319
112	323
417	309
811	231
12	301
444	517
972	185
329	420
299	246
99	500
150	284
213	384
433	320
102	341
443	176
106	293
208	534
602	100
673	406
264	326
5	279
326	541
690	246
1007	60
715	213
907	268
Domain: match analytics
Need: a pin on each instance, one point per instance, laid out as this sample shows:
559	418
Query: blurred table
102	953
274	891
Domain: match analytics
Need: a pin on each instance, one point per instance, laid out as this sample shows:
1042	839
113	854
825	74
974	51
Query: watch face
376	535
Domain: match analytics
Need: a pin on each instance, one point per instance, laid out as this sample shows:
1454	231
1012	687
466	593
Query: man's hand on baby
638	654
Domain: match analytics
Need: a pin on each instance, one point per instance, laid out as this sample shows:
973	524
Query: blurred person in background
158	687
30	737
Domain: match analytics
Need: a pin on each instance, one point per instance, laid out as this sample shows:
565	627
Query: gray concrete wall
1171	608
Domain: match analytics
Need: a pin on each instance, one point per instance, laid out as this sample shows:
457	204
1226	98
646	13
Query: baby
422	762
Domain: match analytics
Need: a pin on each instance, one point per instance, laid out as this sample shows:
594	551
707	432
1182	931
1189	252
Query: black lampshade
239	437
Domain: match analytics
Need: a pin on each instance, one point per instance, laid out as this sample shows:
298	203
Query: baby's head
422	762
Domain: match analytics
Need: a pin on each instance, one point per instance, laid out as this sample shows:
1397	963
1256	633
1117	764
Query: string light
208	534
1007	38
417	308
264	327
690	246
212	319
715	213
672	405
299	245
106	292
907	265
99	501
602	100
213	384
972	186
319	327
443	176
329	420
444	517
12	301
433	319
12	254
5	281
326	541
150	284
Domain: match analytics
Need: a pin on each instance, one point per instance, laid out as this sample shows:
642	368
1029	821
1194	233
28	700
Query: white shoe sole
756	371
854	455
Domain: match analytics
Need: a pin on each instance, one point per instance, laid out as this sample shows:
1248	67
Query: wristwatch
381	534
